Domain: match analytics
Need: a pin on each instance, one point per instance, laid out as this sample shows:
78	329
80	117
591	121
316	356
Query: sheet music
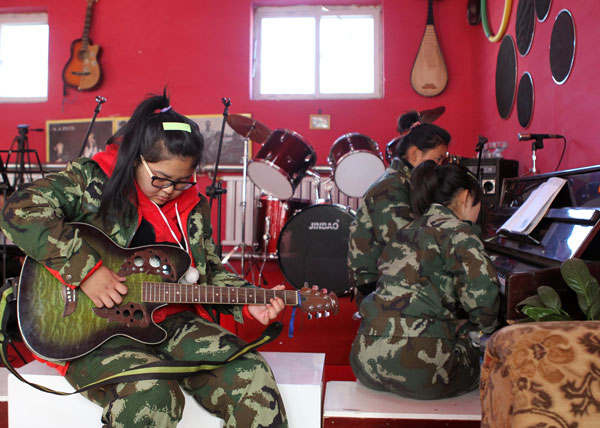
528	216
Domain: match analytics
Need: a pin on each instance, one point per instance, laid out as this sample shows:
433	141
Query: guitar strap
154	370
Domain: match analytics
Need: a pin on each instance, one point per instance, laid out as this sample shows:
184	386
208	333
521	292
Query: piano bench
299	377
351	404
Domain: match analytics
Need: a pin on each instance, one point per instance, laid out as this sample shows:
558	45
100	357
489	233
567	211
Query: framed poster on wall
232	151
64	138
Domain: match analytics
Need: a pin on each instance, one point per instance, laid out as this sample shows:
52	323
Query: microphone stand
479	149
538	143
215	190
100	100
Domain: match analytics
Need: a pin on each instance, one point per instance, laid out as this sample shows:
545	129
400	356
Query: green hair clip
177	126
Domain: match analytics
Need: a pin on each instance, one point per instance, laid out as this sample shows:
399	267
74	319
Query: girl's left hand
268	312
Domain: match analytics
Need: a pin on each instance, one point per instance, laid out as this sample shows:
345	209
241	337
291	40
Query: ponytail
432	183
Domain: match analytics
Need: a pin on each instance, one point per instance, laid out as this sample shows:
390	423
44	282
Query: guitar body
82	71
429	76
55	328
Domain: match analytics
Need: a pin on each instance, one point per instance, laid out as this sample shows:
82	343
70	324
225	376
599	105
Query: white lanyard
192	275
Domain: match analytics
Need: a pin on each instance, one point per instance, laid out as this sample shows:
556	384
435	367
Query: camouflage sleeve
378	218
35	218
476	280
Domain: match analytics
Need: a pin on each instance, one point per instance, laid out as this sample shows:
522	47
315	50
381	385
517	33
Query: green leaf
549	297
532	301
556	317
538	313
577	275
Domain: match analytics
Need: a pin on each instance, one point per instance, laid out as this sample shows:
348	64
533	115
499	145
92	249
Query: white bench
299	377
346	401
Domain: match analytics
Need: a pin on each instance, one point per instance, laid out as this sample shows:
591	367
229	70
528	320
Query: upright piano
569	229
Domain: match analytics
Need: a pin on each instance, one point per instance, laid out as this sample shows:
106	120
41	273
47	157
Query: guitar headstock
317	302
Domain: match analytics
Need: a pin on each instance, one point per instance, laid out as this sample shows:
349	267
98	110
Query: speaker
492	171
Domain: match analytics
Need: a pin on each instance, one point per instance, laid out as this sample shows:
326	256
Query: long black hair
433	183
424	136
144	135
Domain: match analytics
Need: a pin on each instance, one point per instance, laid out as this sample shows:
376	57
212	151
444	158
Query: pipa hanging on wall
429	76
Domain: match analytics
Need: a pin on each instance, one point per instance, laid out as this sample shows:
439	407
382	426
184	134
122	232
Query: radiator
234	204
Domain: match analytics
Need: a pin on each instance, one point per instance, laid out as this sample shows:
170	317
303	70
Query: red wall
201	49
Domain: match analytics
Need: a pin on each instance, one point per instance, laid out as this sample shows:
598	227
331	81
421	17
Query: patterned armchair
542	375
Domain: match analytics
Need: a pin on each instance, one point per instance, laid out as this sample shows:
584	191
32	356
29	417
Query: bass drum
313	247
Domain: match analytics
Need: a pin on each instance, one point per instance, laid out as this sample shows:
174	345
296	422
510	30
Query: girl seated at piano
437	292
142	191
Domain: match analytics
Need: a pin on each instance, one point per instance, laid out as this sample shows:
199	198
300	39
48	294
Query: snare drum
271	216
357	163
281	163
313	247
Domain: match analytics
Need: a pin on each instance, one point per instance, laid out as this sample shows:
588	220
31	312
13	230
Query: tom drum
281	163
357	163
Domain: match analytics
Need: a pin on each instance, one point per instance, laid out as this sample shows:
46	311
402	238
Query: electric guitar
429	76
82	71
60	323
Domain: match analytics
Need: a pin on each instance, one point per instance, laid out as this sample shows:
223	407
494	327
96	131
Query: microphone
528	137
100	99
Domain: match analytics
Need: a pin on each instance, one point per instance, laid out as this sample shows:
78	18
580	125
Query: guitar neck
165	292
85	40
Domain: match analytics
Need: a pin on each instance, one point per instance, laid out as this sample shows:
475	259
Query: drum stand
244	199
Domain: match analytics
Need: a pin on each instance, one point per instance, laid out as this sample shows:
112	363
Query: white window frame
25	19
317	12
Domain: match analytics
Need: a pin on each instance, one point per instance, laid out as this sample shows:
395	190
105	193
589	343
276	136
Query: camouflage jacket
36	219
436	267
384	209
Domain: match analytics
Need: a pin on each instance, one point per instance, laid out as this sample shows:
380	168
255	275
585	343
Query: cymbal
429	116
248	127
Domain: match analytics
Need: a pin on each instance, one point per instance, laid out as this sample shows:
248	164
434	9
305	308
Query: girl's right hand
104	287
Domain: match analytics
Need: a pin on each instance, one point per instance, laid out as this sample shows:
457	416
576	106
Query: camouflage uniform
384	209
408	341
243	393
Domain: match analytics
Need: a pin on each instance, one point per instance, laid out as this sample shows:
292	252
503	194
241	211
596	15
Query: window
305	52
23	57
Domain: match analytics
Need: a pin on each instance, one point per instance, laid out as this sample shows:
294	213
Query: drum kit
309	240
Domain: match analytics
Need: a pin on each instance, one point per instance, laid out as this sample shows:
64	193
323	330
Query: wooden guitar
429	75
82	71
59	323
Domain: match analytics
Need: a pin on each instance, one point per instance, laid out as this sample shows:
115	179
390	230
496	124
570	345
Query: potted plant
546	304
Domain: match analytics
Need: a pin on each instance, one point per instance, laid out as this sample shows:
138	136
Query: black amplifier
492	171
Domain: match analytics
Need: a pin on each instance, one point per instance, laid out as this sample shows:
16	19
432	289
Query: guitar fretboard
164	292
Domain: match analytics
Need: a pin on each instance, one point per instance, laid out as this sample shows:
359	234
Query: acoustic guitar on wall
429	76
82	71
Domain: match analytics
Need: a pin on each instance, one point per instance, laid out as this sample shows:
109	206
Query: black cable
563	153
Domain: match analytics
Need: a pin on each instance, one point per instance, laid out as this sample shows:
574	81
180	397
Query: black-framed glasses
163	183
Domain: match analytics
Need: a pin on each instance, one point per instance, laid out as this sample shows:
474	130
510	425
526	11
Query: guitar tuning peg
326	314
309	316
319	315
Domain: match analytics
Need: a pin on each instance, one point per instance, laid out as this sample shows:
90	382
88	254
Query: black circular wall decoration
525	26
525	99
506	76
562	46
542	9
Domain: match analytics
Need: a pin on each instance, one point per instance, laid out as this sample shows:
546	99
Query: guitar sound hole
166	269
138	261
154	261
138	315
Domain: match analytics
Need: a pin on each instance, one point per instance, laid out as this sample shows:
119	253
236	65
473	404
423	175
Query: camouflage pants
424	368
242	392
